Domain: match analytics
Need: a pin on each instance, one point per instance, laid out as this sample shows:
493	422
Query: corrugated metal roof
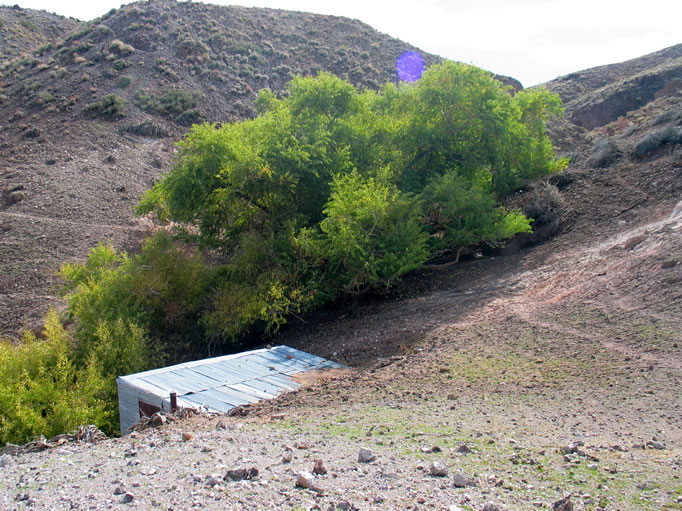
222	383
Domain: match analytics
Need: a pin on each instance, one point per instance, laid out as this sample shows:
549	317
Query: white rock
305	479
438	468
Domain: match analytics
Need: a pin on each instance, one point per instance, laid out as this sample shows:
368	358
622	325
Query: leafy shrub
372	232
124	81
604	153
157	290
110	107
44	49
189	117
46	97
651	142
120	64
175	103
42	390
81	47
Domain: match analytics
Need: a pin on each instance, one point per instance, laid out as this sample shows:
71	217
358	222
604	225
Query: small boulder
564	504
461	481
128	498
241	473
491	507
305	479
366	455
319	468
214	479
438	469
464	449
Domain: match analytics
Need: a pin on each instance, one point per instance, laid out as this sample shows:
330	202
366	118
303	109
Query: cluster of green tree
331	191
328	192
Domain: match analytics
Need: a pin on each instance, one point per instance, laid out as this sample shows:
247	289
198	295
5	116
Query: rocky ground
514	382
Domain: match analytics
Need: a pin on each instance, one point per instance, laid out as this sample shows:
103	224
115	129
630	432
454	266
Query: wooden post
174	402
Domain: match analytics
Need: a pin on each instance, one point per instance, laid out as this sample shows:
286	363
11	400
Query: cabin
214	384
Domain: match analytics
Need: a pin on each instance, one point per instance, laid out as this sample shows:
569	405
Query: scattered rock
344	506
222	424
461	481
319	468
160	420
128	498
186	437
288	455
438	468
646	485
572	448
305	479
6	460
366	455
464	449
214	479
430	448
491	507
50	161
21	497
655	444
564	504
241	473
119	491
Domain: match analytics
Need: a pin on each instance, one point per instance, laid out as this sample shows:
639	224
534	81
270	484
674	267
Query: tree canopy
331	190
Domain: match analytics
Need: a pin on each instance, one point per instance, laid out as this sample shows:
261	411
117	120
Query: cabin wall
129	397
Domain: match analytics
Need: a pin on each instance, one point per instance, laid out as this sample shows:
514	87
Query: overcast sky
531	40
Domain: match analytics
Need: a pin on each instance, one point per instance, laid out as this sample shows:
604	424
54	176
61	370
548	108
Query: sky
533	41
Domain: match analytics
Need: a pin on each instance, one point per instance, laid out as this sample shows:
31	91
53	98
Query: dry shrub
549	211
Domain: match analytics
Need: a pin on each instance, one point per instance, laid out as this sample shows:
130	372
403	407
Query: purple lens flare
410	66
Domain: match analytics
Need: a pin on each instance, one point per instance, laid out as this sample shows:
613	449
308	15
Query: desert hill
26	30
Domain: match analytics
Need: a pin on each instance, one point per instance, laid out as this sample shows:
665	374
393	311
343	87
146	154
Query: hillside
26	30
71	174
547	370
